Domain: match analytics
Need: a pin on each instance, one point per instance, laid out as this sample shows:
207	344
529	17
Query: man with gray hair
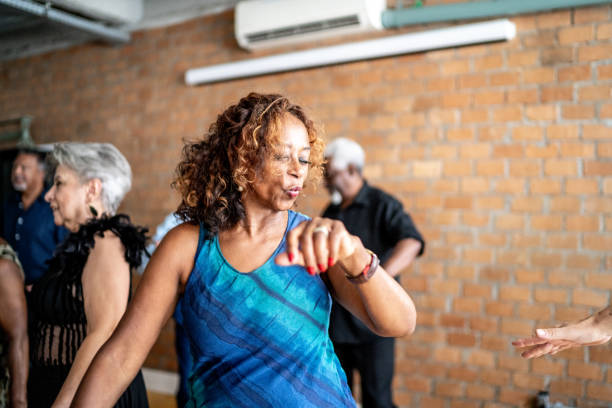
383	226
27	220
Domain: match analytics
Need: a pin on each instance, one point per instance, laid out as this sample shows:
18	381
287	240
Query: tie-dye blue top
259	339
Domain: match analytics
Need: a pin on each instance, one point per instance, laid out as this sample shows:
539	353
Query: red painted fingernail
311	270
322	267
330	262
290	256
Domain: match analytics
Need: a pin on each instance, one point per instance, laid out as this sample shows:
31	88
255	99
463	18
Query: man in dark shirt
380	222
27	218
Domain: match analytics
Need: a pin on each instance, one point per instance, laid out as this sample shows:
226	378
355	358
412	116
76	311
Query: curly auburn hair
213	171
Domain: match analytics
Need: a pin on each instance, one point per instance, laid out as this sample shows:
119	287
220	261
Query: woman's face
283	173
67	199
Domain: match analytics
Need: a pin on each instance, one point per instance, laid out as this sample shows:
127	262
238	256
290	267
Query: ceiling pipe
112	35
455	36
401	17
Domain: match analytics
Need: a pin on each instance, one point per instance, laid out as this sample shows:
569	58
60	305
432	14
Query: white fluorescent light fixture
497	30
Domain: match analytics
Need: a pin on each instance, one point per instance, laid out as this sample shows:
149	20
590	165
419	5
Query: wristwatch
368	271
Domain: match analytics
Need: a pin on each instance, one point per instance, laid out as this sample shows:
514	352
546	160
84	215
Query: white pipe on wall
497	30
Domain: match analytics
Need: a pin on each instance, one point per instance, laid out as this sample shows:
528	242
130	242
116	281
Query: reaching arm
404	253
119	360
381	303
13	320
592	330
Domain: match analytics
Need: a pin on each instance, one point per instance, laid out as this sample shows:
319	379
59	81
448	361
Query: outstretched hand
553	340
318	244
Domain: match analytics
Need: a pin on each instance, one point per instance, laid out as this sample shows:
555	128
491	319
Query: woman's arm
118	361
381	303
106	286
14	322
590	331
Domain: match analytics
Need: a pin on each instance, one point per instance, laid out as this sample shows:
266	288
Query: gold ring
321	229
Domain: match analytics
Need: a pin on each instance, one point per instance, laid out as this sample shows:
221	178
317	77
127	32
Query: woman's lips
294	191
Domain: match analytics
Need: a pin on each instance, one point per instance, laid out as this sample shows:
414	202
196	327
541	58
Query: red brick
516	293
597	168
590	14
547	367
564	278
527	96
484	324
489	98
534	312
589	297
538	75
581	186
511	396
447	355
499	309
522	58
567	387
574	73
562	131
585	371
545	186
594	52
561	241
528	381
477	290
512	363
575	261
599	391
508	151
474	116
557	93
546	259
529	276
598	280
541	112
481	392
577	150
527	204
576	34
449	389
550	295
490	168
467	305
417	384
504	78
604	31
510	222
525	168
452	320
510	185
594	93
517	327
511	113
461	339
578	111
548	151
595	132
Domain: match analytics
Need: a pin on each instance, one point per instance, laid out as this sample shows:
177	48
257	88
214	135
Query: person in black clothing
381	223
79	301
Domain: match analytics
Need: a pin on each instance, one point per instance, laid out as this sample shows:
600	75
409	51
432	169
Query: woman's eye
305	161
281	157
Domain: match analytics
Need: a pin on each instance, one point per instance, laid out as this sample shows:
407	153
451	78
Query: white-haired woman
76	305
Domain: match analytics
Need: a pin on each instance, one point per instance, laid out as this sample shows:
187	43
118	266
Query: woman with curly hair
78	302
253	279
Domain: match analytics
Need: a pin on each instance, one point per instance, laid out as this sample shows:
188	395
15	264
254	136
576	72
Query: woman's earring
240	188
93	210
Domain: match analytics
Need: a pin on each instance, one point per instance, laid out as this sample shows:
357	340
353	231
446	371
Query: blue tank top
259	339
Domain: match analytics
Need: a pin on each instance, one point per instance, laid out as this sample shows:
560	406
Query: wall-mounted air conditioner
271	23
112	11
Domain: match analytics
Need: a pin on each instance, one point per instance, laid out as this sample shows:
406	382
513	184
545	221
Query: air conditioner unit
271	23
112	11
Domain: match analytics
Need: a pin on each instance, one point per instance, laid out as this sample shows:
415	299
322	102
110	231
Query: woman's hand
320	243
587	332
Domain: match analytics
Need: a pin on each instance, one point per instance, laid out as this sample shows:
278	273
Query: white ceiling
23	35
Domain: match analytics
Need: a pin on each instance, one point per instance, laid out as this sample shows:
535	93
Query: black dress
58	324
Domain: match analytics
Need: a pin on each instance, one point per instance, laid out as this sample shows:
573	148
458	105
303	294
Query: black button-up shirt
380	221
31	233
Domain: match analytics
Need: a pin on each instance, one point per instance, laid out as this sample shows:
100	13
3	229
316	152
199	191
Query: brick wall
502	153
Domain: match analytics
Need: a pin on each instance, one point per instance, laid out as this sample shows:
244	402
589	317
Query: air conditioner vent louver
318	26
271	23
